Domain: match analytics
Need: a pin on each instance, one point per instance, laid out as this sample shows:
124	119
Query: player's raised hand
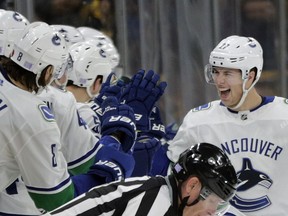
118	120
141	94
111	87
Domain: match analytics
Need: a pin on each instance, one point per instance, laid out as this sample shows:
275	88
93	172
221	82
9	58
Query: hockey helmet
12	24
38	46
236	52
211	165
89	62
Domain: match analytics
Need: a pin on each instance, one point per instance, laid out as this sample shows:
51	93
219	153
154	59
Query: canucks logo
17	17
250	178
203	107
46	112
56	40
102	53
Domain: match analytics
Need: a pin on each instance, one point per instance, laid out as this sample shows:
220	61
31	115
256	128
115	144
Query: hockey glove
141	94
110	88
118	120
157	127
171	130
143	154
161	162
112	164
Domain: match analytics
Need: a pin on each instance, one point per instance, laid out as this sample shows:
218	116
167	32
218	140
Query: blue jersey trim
65	182
265	100
93	150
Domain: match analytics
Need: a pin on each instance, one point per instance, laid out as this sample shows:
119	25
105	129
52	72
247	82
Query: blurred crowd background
175	37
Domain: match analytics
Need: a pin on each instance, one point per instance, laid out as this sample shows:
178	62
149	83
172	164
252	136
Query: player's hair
22	75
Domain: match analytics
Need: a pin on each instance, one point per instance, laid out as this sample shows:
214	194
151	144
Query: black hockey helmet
211	165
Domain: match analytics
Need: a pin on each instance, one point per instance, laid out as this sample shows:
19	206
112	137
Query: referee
202	182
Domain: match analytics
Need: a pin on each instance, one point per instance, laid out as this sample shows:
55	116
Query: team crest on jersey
249	178
46	112
202	107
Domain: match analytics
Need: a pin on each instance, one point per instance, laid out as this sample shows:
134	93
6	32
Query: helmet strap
244	95
184	201
61	85
40	88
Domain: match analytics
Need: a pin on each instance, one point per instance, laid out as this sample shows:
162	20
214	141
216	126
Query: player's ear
193	186
46	76
97	85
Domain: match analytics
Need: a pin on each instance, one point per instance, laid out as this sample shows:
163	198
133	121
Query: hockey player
141	93
91	67
202	182
250	128
42	51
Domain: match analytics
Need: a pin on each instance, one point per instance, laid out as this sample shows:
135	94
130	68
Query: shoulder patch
202	107
46	112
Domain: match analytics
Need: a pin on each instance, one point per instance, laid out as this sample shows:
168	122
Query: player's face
229	85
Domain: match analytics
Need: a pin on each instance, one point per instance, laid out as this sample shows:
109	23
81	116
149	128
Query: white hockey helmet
70	33
237	52
11	25
89	62
38	46
89	33
102	41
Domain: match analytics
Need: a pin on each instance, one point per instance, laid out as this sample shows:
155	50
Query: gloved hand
144	150
118	120
161	162
171	130
111	163
141	94
109	88
157	127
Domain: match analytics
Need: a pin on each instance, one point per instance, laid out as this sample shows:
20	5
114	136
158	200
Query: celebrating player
249	127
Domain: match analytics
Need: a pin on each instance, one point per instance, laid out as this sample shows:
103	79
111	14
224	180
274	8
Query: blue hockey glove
141	94
171	130
157	127
161	162
112	164
144	150
118	120
110	88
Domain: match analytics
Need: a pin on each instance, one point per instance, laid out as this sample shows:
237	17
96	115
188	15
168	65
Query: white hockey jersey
255	141
78	146
30	143
89	116
78	142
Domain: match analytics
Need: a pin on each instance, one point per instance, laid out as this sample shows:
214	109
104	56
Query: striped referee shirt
139	196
